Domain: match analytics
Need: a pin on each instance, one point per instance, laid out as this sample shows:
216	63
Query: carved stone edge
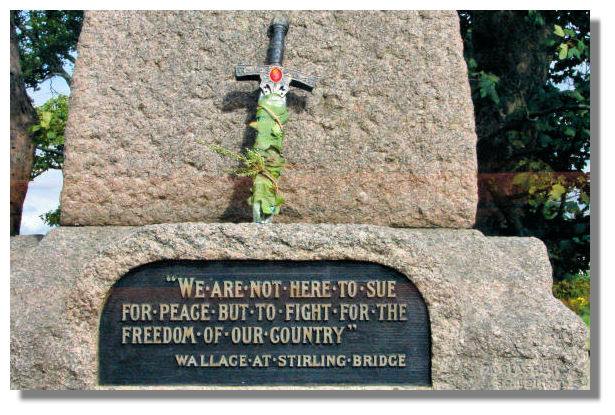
425	256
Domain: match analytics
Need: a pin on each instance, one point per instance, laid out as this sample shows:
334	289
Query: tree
22	148
48	135
47	43
43	44
530	74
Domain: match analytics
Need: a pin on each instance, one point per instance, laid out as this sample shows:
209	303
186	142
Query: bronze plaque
264	323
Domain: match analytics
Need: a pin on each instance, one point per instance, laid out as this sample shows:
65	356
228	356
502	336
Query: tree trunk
22	146
508	45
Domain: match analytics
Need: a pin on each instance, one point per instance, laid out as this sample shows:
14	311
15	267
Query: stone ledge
494	321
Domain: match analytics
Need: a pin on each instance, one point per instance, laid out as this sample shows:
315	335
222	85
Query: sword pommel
277	33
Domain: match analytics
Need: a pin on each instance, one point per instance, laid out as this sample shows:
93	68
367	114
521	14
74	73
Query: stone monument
372	279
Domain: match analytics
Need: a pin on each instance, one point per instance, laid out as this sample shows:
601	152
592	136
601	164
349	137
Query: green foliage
530	78
47	41
252	162
574	292
486	86
271	115
535	17
571	45
264	163
265	195
48	135
558	31
51	218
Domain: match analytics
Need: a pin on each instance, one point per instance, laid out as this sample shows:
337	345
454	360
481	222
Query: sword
265	162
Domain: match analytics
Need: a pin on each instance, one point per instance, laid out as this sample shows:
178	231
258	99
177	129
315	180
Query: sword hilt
277	34
273	76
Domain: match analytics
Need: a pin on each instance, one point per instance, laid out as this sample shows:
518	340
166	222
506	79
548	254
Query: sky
44	191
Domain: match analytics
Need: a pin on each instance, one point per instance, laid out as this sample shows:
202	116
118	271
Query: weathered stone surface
387	138
21	244
494	321
42	276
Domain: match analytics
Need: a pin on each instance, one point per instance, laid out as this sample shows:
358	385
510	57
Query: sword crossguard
275	78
